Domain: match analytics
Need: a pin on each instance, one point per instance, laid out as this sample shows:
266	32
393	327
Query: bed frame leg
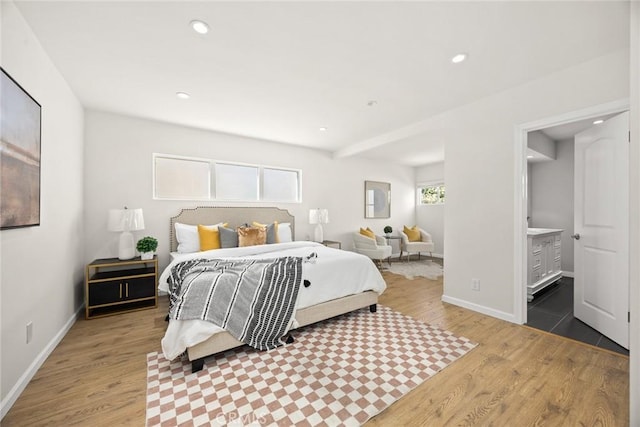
290	339
166	318
197	365
373	308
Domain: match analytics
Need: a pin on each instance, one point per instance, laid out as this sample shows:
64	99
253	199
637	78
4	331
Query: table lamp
318	217
125	221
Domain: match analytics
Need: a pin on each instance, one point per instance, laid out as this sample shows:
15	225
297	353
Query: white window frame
174	157
212	180
298	189
422	185
214	177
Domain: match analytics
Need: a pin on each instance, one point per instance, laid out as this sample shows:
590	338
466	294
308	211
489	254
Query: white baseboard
509	317
568	274
24	379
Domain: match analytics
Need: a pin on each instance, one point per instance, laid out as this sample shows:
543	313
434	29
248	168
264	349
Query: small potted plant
388	230
147	247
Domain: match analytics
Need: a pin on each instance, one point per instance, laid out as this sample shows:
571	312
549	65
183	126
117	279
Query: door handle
576	236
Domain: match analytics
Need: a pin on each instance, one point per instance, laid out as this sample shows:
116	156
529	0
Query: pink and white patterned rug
342	371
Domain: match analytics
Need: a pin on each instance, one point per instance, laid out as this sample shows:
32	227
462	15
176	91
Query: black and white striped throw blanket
253	300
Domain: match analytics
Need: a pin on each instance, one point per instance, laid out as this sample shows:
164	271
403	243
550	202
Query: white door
601	228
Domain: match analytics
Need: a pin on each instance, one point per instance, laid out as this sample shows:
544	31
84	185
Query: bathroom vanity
543	259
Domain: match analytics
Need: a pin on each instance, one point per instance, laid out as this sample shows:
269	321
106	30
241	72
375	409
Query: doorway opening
544	203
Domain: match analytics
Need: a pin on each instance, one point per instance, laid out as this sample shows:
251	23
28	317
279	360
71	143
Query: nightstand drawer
113	286
121	290
140	288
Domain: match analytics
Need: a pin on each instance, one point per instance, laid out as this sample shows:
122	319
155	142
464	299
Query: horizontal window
236	182
181	178
184	178
431	194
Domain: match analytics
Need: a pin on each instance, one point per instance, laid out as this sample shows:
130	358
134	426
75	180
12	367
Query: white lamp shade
136	219
125	220
324	216
313	216
318	216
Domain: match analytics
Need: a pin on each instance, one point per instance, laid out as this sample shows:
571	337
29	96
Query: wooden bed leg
197	365
166	318
373	308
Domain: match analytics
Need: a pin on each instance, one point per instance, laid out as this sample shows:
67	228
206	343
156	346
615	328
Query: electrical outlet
475	284
29	332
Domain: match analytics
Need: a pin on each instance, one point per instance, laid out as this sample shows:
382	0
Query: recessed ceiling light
529	157
597	122
372	103
199	27
183	95
459	58
323	129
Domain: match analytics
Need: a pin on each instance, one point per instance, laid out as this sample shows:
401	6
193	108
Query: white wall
42	267
118	172
480	174
634	229
552	197
528	194
542	144
431	217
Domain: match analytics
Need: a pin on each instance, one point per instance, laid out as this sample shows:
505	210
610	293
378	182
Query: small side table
328	243
389	239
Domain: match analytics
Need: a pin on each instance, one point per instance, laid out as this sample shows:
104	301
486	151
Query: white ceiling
281	70
568	130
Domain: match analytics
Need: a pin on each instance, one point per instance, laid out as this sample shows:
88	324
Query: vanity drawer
536	261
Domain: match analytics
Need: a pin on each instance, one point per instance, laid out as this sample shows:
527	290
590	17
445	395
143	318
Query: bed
340	281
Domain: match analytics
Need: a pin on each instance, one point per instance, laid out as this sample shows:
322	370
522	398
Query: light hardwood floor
517	376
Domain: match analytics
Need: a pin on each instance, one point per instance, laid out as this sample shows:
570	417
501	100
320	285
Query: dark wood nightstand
114	286
328	243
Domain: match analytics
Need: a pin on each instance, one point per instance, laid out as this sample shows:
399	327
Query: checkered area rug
341	371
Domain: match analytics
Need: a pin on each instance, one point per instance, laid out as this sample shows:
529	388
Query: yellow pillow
209	237
251	236
367	232
412	233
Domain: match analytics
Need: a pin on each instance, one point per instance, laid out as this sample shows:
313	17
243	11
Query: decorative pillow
367	232
187	237
209	237
228	237
251	236
284	233
412	233
272	231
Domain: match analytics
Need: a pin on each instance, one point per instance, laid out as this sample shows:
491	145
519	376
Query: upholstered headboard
235	216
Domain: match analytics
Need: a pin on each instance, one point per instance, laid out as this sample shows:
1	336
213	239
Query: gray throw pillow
228	237
271	234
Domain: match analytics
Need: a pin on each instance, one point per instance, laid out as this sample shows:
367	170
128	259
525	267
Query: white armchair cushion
373	248
424	245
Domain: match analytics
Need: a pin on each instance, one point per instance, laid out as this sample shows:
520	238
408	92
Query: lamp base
318	234
126	247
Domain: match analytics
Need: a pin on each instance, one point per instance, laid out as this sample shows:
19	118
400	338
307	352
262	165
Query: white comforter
335	274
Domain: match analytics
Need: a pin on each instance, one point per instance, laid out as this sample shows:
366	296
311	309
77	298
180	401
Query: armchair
376	249
424	245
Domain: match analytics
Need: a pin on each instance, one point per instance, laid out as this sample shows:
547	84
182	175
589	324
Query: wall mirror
377	199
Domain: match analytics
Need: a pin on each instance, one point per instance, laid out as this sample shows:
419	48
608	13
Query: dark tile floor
552	310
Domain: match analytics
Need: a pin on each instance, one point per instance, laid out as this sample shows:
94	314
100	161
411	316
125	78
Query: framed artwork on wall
377	199
20	121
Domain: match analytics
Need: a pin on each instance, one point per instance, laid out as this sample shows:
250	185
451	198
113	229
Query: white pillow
187	237
284	232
